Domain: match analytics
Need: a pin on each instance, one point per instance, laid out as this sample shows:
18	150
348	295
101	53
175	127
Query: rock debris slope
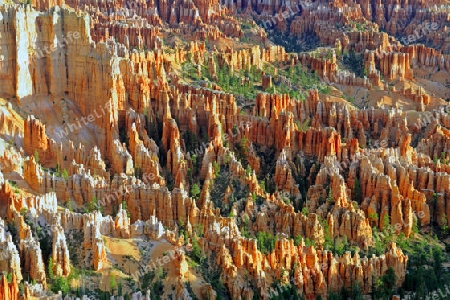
253	156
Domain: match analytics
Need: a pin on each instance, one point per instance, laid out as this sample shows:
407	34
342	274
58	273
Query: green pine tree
51	266
112	283
195	191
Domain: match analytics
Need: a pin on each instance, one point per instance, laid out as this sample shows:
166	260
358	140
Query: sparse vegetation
187	89
354	62
266	242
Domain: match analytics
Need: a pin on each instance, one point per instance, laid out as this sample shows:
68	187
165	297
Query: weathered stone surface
9	291
60	252
355	165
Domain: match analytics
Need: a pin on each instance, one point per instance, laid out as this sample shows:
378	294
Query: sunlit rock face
139	135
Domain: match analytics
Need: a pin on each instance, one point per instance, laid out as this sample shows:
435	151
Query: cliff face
10	256
330	273
44	56
126	126
9	290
